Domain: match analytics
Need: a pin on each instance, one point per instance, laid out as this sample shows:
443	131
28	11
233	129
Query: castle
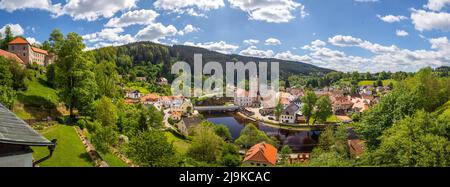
23	52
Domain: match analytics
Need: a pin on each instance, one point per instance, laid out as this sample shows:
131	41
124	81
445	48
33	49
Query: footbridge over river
230	108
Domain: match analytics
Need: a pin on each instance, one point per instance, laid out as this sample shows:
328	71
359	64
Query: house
16	139
12	56
186	125
134	94
289	114
183	106
29	54
359	104
175	116
150	99
262	154
162	81
244	98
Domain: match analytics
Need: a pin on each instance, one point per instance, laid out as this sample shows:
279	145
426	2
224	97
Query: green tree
149	118
309	100
151	149
107	79
285	152
9	36
323	109
104	137
251	135
106	112
206	145
417	141
75	80
56	41
7	96
222	131
6	77
230	155
278	110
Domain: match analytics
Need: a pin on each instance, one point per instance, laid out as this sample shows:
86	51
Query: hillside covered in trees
150	59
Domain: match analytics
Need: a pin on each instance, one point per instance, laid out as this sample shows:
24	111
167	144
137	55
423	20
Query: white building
135	94
243	98
289	114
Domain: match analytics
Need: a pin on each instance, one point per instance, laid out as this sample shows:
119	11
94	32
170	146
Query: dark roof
192	121
15	131
291	109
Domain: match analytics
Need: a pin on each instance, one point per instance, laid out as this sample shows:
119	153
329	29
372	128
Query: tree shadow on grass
38	107
85	156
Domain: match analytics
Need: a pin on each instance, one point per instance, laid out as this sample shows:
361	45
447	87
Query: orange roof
35	49
262	152
19	40
9	55
150	97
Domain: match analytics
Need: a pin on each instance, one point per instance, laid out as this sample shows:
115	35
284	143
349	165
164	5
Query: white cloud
16	29
136	17
349	41
13	5
32	40
272	11
92	10
190	7
401	33
392	18
251	42
272	41
385	58
425	21
437	5
188	29
287	55
318	43
221	47
253	51
109	36
156	31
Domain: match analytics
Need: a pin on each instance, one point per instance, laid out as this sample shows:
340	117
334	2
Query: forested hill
142	54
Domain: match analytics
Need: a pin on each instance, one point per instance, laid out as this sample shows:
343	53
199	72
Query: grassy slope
69	151
370	83
110	158
30	102
180	145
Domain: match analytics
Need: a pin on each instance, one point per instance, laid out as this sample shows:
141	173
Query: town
100	85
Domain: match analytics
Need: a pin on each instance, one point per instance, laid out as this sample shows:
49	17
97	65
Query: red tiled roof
19	40
262	152
35	49
150	97
9	55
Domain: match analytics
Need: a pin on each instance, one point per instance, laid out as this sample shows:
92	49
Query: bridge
231	108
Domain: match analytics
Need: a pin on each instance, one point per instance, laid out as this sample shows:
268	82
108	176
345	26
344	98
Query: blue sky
346	35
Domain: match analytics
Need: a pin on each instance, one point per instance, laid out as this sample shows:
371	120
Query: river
299	141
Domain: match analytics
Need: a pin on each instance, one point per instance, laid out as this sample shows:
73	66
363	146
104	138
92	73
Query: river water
299	141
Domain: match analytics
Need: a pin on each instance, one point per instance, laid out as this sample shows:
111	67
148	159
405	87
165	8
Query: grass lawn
69	151
38	101
370	83
180	144
38	94
112	160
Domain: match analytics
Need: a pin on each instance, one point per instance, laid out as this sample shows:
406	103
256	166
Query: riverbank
275	124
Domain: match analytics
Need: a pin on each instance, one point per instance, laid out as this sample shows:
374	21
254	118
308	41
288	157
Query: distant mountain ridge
146	52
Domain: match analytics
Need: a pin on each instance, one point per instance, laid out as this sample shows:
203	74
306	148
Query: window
12	48
24	54
24	48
